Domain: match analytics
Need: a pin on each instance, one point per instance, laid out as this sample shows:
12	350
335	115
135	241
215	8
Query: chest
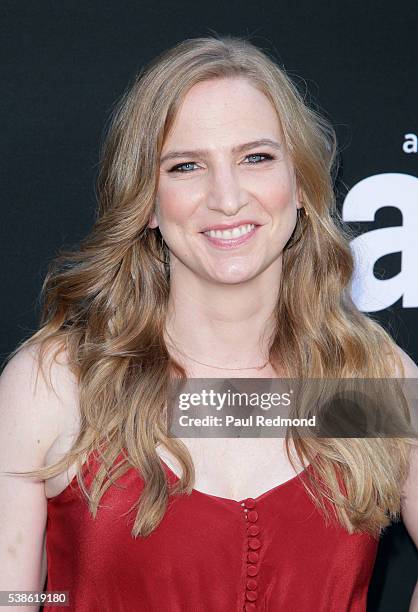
235	468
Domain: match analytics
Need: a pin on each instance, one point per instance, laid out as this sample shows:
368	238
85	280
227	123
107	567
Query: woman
212	136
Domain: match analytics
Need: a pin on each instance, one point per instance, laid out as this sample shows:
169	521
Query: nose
226	193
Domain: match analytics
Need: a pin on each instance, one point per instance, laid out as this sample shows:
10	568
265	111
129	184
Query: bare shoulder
35	409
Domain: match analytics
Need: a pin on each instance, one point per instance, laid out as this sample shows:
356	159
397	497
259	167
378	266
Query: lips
229	226
230	238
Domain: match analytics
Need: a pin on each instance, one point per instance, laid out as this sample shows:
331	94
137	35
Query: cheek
276	188
278	196
170	210
175	203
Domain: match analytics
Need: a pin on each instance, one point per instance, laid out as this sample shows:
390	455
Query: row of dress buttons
254	544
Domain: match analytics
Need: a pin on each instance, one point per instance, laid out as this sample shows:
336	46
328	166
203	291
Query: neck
222	324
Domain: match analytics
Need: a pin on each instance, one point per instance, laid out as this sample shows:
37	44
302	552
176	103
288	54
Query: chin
233	276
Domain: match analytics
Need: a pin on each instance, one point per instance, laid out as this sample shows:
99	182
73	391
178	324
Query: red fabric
209	554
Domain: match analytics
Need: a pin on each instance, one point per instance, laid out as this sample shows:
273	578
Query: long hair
105	302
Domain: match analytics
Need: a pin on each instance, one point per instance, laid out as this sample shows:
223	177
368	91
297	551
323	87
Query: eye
182	167
256	157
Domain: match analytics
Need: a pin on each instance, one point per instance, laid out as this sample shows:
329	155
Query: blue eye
187	166
265	155
179	166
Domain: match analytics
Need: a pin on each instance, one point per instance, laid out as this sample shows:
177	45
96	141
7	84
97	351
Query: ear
299	198
153	222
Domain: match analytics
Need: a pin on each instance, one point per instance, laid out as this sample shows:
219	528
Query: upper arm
410	488
30	421
410	498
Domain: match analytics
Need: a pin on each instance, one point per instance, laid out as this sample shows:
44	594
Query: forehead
223	112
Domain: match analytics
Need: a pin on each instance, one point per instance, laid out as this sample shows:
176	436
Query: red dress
209	554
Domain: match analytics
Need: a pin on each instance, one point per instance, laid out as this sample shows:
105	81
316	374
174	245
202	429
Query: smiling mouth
230	234
233	238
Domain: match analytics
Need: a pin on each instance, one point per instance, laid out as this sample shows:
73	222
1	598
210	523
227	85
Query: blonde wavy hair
104	302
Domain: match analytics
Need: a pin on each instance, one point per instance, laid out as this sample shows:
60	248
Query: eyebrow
237	149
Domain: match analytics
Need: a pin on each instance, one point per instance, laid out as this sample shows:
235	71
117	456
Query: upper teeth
228	234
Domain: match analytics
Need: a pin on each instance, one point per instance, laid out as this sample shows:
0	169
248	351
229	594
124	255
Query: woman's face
227	198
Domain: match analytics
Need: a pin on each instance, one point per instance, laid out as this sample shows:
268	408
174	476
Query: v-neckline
260	497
